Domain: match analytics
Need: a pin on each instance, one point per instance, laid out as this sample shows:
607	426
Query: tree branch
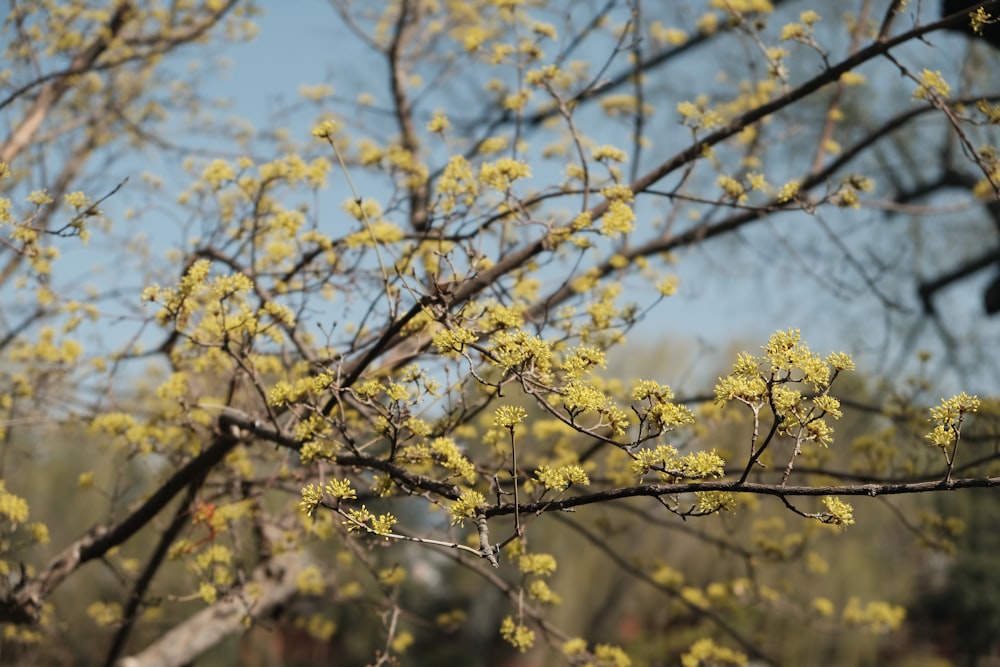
51	93
273	583
25	604
658	490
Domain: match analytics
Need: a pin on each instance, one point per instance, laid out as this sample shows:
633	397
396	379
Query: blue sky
285	55
729	291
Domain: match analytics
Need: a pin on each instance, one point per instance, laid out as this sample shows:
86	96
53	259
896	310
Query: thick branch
51	93
167	538
400	474
25	604
630	74
699	234
518	258
475	285
273	583
658	490
404	112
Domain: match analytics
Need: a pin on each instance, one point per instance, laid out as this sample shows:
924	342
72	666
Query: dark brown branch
624	78
273	583
658	490
400	474
928	289
699	234
167	538
53	91
55	84
518	258
419	195
25	604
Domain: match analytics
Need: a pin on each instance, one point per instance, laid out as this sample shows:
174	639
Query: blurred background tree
369	364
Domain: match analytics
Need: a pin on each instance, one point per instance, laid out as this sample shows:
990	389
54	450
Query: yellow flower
931	83
733	188
439	123
617	220
839	512
13	507
501	174
509	416
519	636
326	129
788	192
541	564
466	505
792	31
809	17
609	154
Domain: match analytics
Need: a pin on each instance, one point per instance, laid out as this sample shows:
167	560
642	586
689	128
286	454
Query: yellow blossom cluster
559	479
877	617
509	416
368	210
413	171
732	188
582	359
517	635
672	467
466	506
443	451
697	116
502	173
803	30
309	581
712	502
12	507
46	349
105	613
581	397
787	361
932	84
380	233
439	123
838	512
668	36
609	154
947	418
516	349
500	316
707	652
287	393
659	409
361	520
453	340
457	184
